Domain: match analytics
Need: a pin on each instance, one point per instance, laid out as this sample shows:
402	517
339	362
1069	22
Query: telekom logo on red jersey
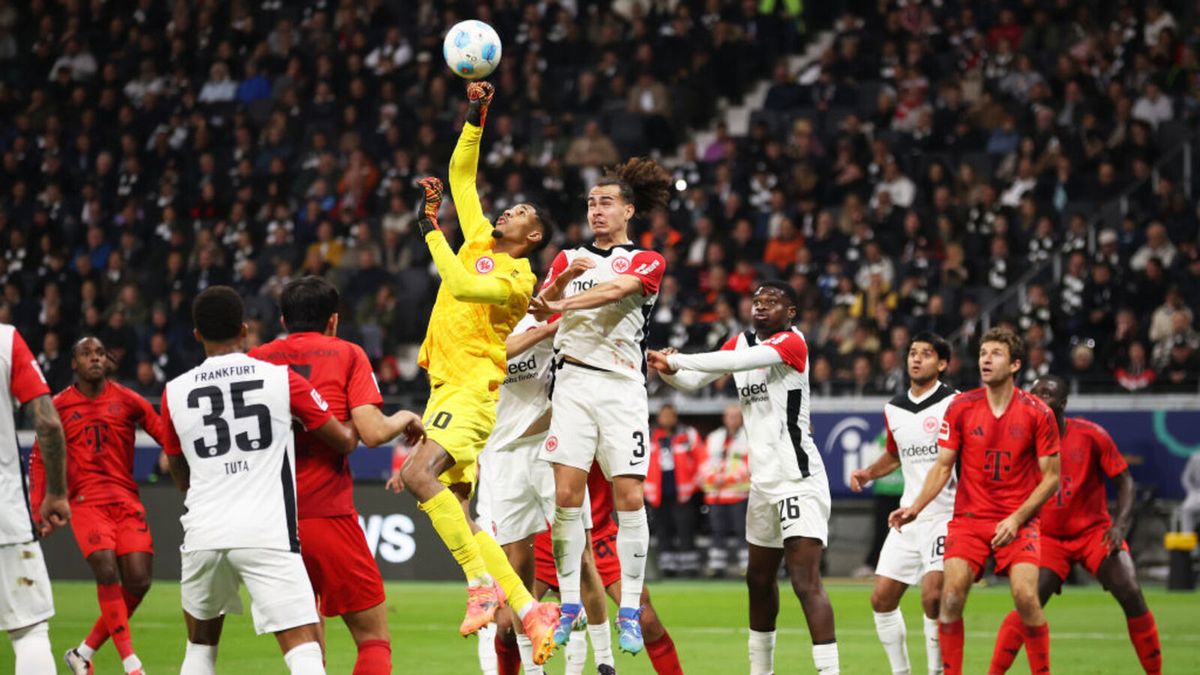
619	265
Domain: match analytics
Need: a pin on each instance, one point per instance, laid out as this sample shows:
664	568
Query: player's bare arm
1006	530
939	475
554	290
881	467
55	511
337	436
519	343
598	296
1123	518
181	473
375	429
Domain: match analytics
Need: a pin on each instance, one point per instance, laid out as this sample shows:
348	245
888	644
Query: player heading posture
109	521
914	556
485	291
26	603
605	291
1005	444
1077	528
787	515
229	443
342	569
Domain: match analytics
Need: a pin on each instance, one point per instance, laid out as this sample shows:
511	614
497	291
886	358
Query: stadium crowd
928	160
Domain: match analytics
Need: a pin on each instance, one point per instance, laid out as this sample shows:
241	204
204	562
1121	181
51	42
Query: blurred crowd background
935	165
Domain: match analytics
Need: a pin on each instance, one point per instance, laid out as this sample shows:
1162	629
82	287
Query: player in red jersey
603	537
342	568
100	419
1005	443
1077	528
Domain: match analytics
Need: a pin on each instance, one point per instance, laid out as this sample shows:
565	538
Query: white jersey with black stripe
912	430
233	417
776	407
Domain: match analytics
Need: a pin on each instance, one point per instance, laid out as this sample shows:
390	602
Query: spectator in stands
1158	246
725	479
673	491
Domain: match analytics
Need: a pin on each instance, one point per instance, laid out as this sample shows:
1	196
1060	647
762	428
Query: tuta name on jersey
222	373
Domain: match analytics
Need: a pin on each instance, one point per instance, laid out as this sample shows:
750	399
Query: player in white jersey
228	427
605	292
787	515
913	555
26	603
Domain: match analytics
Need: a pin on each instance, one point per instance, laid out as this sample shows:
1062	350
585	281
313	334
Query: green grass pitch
706	620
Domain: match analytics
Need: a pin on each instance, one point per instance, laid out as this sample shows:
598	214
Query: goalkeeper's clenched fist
479	97
431	201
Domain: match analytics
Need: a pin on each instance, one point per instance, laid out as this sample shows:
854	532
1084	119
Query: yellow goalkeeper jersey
483	293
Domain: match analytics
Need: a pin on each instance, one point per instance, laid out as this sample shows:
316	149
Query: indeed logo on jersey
754	393
920	452
389	537
579	286
520	371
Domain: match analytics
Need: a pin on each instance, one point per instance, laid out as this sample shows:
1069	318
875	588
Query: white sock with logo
525	646
570	538
576	653
762	652
601	638
933	648
825	658
893	633
486	648
199	660
633	542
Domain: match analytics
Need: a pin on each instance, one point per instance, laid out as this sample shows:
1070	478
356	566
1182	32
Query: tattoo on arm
53	444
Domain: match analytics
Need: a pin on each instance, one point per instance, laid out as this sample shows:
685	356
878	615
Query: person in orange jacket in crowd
672	491
725	479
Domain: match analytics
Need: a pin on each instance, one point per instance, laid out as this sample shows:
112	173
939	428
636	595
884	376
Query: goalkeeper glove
431	200
479	97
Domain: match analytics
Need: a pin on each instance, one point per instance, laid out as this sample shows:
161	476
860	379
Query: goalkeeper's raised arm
464	164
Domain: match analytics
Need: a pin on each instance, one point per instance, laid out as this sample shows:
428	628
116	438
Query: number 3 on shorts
640	451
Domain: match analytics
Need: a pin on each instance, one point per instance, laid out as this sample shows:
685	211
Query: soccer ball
472	49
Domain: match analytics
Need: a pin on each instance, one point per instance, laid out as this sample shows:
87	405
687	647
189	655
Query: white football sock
85	651
601	636
893	633
633	541
576	653
486	647
762	652
131	663
825	658
569	539
31	649
305	659
525	646
933	649
199	660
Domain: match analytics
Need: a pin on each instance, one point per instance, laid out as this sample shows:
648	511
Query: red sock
1144	634
374	658
663	655
1008	644
950	637
99	634
1037	647
508	655
115	615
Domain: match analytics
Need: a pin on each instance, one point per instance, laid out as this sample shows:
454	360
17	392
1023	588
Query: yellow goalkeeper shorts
460	420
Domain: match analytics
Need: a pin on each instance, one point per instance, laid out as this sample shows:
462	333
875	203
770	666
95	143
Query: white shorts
25	596
281	596
598	416
800	509
908	555
518	487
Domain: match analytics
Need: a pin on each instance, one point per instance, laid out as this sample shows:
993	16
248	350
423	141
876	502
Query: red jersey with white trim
998	456
231	418
612	337
21	381
341	372
1088	455
100	436
776	407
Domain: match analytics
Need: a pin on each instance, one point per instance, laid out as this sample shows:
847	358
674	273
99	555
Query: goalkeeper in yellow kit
485	291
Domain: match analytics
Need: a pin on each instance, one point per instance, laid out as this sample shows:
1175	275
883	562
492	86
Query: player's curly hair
643	182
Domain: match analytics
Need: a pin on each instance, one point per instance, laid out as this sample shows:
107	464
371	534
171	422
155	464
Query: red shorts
604	551
343	572
1087	549
119	527
970	539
